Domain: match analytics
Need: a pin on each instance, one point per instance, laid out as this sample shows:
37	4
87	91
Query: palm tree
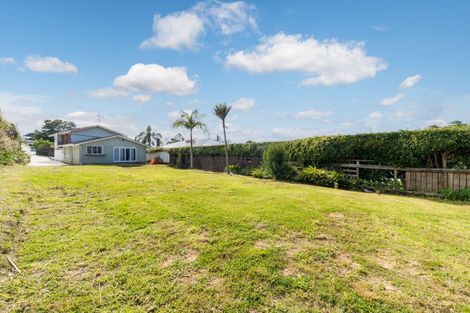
147	135
221	111
189	121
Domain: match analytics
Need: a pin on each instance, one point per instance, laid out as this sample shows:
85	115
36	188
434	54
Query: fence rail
427	180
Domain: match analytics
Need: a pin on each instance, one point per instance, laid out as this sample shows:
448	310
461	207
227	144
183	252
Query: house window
94	150
124	154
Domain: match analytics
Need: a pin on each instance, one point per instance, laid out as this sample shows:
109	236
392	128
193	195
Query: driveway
39	160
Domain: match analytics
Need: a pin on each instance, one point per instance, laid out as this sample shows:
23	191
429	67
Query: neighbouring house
97	145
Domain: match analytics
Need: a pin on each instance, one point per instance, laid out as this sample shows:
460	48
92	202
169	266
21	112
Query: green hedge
433	147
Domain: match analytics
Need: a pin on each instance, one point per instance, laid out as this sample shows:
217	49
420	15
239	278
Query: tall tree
147	135
50	127
190	121
221	110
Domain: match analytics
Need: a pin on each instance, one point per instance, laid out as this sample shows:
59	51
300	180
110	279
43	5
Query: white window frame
92	153
120	149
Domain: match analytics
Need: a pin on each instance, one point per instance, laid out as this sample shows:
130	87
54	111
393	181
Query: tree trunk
226	149
191	148
444	159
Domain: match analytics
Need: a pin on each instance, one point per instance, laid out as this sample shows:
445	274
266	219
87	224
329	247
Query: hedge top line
433	147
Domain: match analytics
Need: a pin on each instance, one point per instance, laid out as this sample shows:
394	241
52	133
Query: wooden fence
422	180
434	180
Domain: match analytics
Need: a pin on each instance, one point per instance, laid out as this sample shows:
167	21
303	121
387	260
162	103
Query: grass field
145	239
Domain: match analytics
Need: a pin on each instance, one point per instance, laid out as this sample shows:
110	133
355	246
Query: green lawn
152	238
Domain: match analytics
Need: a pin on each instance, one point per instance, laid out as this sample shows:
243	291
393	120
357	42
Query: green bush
237	169
456	195
43	147
10	144
276	163
326	178
261	172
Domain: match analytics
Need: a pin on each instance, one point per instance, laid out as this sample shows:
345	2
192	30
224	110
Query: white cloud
7	60
244	104
156	78
176	31
392	100
325	63
37	63
381	28
108	93
142	98
439	123
293	132
313	114
149	78
183	30
23	110
174	115
119	123
411	81
375	115
228	17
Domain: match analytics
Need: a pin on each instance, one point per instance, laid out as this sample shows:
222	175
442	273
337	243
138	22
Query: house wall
89	134
108	146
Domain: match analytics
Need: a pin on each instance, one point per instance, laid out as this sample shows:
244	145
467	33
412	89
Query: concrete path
39	160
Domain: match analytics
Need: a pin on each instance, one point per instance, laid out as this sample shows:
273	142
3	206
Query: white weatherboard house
97	145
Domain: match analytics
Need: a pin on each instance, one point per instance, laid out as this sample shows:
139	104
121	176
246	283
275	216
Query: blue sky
290	69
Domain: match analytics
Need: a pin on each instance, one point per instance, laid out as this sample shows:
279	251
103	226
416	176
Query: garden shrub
43	147
325	178
456	195
10	144
276	163
261	172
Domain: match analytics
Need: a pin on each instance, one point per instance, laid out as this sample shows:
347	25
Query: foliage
48	128
43	147
383	184
325	178
276	163
190	121
221	111
261	172
456	195
436	147
10	144
147	135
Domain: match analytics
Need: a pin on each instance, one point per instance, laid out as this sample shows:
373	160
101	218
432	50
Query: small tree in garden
276	162
189	121
221	111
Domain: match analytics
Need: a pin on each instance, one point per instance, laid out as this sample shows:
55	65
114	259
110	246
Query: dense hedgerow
10	144
434	148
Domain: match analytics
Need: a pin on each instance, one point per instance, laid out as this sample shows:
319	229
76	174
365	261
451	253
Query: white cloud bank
146	79
375	115
176	31
313	114
392	100
183	30
23	110
7	60
411	81
120	123
244	104
37	63
325	63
